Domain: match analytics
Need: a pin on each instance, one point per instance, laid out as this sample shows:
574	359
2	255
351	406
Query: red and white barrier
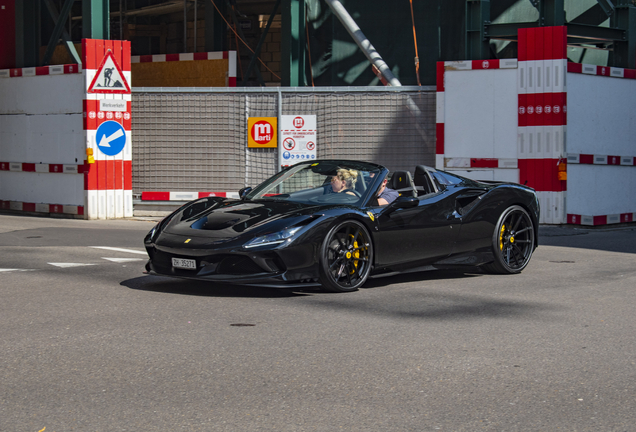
27	207
213	55
469	142
601	70
46	130
591	159
40	138
576	219
480	163
480	94
41	168
41	70
587	126
108	181
184	196
600	145
542	116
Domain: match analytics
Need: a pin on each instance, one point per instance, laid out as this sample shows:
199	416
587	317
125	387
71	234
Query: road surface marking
8	270
120	250
122	260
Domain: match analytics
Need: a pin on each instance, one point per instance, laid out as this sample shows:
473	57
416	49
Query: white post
364	43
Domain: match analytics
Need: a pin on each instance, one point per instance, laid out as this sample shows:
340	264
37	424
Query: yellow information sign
261	132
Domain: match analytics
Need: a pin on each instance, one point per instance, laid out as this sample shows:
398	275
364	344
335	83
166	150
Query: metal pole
195	26
65	35
95	19
278	134
57	31
240	32
373	56
364	44
257	52
121	21
185	26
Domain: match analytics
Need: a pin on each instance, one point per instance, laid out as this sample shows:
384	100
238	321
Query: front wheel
513	241
346	257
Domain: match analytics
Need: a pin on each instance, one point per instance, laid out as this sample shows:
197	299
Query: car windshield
320	182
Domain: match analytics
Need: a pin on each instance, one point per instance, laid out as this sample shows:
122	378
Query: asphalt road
89	343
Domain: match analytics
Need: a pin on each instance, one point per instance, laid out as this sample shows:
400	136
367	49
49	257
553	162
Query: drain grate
242	325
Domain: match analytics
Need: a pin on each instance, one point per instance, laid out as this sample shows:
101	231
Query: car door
426	232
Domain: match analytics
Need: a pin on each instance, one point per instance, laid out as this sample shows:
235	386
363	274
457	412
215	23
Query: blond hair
348	176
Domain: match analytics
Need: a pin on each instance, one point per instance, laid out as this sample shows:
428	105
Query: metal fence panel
196	139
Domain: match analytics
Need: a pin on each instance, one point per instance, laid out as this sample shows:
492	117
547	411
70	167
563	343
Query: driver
386	195
344	181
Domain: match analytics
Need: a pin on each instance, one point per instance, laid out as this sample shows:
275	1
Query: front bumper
294	265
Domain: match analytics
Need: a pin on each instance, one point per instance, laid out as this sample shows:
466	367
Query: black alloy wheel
513	241
346	257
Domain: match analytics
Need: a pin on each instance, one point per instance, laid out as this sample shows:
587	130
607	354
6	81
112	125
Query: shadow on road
400	303
420	276
440	306
203	288
215	289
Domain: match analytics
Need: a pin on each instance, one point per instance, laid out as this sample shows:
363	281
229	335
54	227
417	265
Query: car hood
231	219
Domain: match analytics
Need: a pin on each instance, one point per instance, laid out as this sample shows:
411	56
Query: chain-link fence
196	139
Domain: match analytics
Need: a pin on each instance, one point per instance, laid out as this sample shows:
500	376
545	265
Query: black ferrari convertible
295	229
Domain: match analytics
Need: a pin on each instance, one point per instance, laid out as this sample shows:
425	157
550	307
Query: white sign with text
113	105
297	139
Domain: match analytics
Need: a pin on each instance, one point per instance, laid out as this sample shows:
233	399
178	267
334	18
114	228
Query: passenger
344	181
386	195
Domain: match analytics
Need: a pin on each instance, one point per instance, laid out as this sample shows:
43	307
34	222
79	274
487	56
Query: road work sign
109	77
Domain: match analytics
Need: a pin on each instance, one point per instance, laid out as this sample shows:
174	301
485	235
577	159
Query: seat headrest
400	180
421	177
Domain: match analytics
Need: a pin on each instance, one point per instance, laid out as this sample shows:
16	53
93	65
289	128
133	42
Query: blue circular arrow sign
110	138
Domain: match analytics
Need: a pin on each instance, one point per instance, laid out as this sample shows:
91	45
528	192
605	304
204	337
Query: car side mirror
243	192
404	202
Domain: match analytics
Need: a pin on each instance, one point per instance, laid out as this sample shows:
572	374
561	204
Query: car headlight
150	236
272	239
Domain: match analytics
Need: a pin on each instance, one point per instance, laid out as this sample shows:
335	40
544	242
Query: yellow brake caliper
503	229
355	254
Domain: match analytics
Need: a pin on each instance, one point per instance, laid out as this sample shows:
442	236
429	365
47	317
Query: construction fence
195	139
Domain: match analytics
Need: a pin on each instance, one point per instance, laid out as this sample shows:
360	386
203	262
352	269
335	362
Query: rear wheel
346	257
513	242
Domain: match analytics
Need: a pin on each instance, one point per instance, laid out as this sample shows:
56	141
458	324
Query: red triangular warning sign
109	77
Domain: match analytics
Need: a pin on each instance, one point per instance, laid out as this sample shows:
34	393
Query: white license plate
182	263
